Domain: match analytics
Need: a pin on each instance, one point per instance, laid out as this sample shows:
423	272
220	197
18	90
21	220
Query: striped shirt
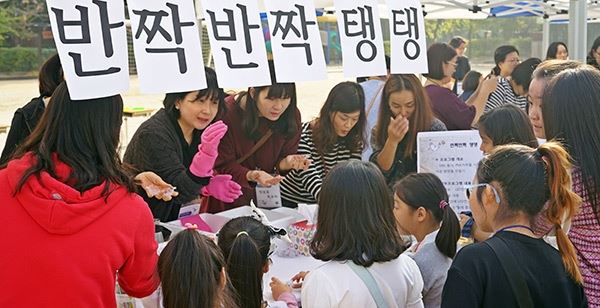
585	235
504	94
303	186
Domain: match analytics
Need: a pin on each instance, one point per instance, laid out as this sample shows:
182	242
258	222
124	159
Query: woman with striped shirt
513	90
335	136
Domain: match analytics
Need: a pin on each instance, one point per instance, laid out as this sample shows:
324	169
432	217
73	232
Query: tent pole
577	29
545	37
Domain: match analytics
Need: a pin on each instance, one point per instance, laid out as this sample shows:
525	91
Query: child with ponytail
192	273
422	210
511	186
246	245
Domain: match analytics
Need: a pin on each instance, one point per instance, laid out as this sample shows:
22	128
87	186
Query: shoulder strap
511	269
256	146
373	99
370	282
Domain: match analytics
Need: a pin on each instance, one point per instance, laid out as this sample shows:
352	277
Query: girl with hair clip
335	136
262	141
515	268
422	210
571	107
192	273
246	245
405	111
357	236
73	223
179	143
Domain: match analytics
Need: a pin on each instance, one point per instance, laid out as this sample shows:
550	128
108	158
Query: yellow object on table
137	112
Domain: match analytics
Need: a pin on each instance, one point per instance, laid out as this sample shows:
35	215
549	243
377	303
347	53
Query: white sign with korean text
91	40
237	42
295	40
452	156
268	197
361	38
407	37
166	43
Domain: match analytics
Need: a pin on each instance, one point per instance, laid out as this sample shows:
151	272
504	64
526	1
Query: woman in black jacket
179	144
27	117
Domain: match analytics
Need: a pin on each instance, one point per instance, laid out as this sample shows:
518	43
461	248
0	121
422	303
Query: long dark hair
500	56
571	107
346	97
50	76
419	121
212	91
245	243
526	179
190	269
507	124
427	190
553	50
286	124
85	135
356	220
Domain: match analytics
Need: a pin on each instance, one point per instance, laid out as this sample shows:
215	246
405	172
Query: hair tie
190	226
443	204
242	232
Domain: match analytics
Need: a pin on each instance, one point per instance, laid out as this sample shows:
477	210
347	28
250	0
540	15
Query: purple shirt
449	108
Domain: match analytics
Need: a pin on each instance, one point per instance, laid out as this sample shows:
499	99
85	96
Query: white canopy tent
577	12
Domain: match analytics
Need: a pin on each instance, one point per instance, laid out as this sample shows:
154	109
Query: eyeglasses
469	188
452	63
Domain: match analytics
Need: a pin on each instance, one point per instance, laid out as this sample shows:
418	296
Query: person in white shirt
357	234
422	210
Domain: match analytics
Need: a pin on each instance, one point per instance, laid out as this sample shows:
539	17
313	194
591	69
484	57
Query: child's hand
298	279
278	287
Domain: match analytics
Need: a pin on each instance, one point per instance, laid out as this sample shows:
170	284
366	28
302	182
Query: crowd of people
80	219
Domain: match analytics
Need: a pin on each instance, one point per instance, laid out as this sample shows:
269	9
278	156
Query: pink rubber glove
222	188
204	161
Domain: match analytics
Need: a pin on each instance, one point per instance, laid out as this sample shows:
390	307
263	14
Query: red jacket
61	248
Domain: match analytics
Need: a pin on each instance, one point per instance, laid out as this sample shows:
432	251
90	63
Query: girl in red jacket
72	222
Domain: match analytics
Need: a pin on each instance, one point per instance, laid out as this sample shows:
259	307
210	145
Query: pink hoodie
62	248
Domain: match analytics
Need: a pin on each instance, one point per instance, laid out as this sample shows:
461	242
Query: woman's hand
262	178
295	162
155	187
398	128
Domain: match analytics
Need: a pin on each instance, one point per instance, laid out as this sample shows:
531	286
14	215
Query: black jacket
159	146
23	123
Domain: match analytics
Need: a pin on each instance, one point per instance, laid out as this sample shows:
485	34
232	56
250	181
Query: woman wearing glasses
506	58
515	268
447	107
